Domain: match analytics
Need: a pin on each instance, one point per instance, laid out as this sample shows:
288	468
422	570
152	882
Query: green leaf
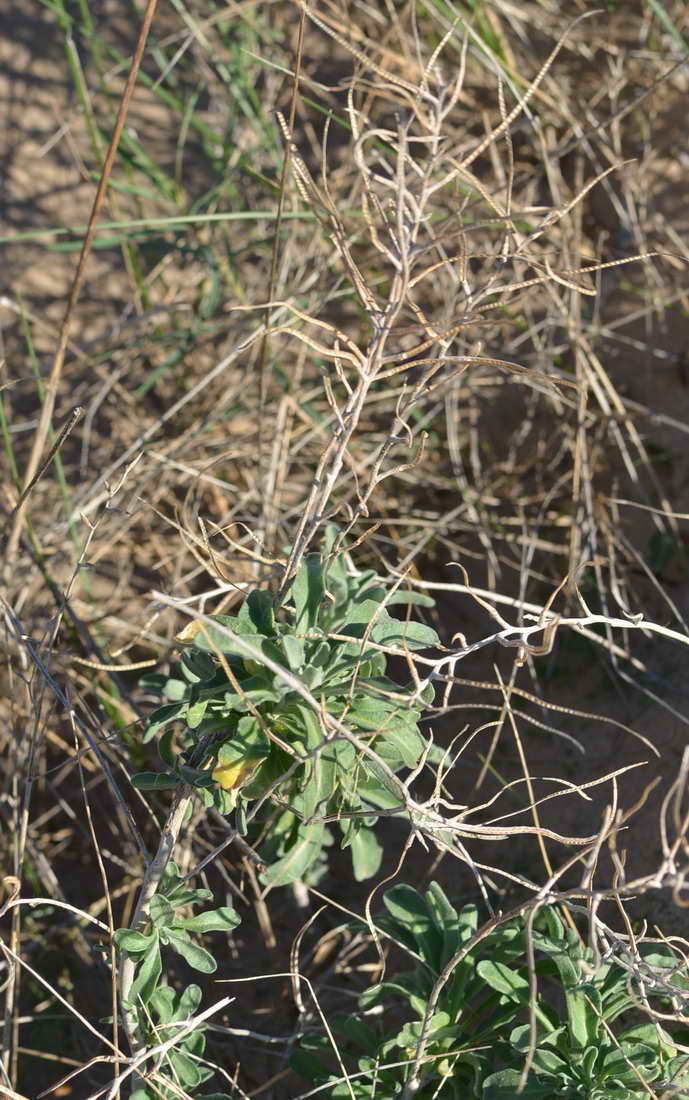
155	781
583	1018
307	848
455	929
369	713
308	591
209	638
184	894
311	677
254	692
547	1061
248	743
502	978
197	777
162	912
503	1086
388	631
165	748
163	1002
320	783
294	651
310	1067
147	975
402	746
189	1001
403	987
258	610
377	787
196	956
133	942
184	1068
418	599
438	1027
173	689
154	683
404	635
197	667
677	1071
407	906
163	717
367	854
196	712
356	1029
321	655
225	802
412	914
215	920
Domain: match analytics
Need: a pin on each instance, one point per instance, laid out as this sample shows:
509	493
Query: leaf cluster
264	697
592	1040
157	1008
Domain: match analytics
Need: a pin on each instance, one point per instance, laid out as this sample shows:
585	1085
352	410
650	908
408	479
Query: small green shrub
154	1010
280	705
476	1041
289	708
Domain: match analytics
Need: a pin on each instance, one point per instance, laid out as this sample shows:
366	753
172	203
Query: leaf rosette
295	704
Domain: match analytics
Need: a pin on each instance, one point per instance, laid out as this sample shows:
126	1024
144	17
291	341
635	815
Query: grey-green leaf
367	854
162	717
223	919
502	978
133	942
196	956
310	841
307	592
148	974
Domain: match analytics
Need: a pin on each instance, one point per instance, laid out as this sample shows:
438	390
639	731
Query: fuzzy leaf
400	746
310	1067
417	599
163	717
147	975
196	956
307	591
388	631
165	748
196	712
504	1085
307	848
162	911
367	854
223	919
208	637
258	610
185	1069
502	978
197	667
406	906
174	690
133	942
294	651
189	1001
163	1002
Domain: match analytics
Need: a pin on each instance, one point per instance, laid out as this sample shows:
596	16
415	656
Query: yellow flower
188	634
233	776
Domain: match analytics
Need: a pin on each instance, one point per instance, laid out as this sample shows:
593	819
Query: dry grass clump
415	270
